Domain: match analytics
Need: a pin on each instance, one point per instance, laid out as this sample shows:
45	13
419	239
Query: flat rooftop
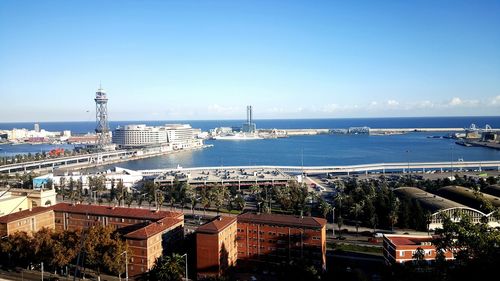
429	201
225	175
283	220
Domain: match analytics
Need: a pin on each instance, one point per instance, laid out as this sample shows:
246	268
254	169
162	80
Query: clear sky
161	60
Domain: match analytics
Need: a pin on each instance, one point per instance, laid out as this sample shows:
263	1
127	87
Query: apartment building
216	248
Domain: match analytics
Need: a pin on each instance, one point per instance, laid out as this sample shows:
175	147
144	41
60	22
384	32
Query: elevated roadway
363	168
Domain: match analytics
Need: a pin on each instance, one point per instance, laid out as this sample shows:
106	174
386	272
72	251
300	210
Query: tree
393	213
218	196
168	268
356	210
419	257
103	248
120	189
205	198
324	207
65	247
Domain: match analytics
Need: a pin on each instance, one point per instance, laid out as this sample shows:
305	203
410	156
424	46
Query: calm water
410	122
317	150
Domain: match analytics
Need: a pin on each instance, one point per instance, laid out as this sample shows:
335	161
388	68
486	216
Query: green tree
168	268
103	248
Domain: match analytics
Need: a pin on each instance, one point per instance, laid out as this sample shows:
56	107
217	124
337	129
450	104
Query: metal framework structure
101	114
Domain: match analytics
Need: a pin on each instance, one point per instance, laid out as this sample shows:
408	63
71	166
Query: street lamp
126	266
408	159
333	222
186	262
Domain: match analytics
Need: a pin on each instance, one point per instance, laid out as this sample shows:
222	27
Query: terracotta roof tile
286	220
24	214
153	228
216	225
405	240
115	211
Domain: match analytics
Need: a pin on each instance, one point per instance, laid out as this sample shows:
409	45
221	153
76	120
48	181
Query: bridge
351	169
84	159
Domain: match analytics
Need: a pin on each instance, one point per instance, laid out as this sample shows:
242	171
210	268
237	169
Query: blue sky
209	59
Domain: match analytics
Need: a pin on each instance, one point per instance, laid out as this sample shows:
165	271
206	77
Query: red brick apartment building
261	238
216	248
148	233
401	248
28	220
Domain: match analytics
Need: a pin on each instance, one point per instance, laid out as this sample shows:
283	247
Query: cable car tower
101	115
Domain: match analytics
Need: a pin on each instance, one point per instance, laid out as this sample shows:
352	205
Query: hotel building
176	136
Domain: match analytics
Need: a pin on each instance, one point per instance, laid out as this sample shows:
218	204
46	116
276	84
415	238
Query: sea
319	150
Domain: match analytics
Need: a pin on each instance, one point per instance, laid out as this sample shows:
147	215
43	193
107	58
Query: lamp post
451	163
333	222
126	265
186	262
408	160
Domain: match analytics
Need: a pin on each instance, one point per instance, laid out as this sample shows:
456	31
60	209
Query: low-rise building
216	248
19	199
237	177
402	248
30	220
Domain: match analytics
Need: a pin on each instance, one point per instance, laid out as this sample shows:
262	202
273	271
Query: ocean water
309	150
403	122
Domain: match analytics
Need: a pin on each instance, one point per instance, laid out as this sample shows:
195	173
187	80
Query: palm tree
168	268
356	210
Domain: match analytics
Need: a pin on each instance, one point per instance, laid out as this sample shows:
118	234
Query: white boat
239	136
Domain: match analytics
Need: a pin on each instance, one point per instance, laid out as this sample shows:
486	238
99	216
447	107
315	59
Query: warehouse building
469	197
440	207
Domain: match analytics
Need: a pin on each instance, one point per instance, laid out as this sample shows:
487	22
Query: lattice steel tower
101	116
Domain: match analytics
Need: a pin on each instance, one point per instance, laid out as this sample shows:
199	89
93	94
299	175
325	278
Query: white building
175	136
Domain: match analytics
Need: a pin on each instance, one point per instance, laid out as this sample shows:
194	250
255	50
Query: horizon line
263	119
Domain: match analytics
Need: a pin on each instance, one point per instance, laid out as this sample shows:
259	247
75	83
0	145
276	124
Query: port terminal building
241	178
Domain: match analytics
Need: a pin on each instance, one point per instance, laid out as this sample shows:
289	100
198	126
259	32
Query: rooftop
429	201
408	240
242	175
492	190
153	228
285	220
216	225
468	196
123	212
24	214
